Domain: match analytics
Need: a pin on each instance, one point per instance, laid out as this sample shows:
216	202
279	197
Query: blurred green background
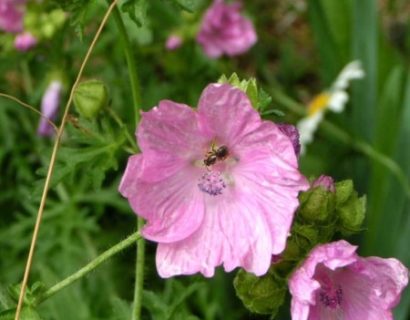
302	47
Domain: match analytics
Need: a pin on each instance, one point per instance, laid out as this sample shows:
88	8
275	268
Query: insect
216	154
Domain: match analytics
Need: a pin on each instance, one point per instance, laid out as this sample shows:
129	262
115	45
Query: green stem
136	95
359	145
139	275
132	66
90	266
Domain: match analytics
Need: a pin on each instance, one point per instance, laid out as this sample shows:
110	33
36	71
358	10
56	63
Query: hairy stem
90	266
136	95
52	163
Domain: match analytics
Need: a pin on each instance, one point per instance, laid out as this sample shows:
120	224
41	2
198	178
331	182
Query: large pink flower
335	283
235	212
11	15
225	31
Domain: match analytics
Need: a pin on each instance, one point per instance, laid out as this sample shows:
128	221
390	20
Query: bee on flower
333	99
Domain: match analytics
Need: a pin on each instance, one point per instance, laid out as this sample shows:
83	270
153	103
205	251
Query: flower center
331	297
212	183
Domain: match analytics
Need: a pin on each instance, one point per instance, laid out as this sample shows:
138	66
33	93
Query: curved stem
136	95
90	266
26	105
359	145
53	160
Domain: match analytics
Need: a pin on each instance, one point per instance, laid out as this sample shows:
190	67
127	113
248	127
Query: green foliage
136	10
264	295
78	12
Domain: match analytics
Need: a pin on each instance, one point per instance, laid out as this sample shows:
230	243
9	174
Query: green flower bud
350	209
90	97
344	190
351	215
263	295
317	205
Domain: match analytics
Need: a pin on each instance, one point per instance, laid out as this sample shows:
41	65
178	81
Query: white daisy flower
333	99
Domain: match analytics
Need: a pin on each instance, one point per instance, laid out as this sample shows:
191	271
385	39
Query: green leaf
136	10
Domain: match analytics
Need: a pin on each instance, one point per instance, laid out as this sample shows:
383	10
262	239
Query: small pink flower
335	283
11	15
25	41
173	42
225	31
325	182
49	108
237	210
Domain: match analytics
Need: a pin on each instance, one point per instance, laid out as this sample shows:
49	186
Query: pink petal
201	252
226	114
358	299
171	129
267	172
231	233
388	276
173	206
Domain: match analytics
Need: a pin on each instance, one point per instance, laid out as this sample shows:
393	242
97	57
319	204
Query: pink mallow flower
237	209
173	42
49	108
11	15
25	41
335	283
225	31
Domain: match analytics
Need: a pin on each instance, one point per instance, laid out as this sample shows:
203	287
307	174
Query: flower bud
325	182
317	205
90	97
263	295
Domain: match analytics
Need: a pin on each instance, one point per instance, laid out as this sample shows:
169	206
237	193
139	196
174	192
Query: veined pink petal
171	128
173	206
226	113
201	252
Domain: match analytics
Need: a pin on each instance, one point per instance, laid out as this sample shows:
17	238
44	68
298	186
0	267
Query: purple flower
325	182
225	31
217	185
25	41
173	42
335	283
49	108
293	135
11	15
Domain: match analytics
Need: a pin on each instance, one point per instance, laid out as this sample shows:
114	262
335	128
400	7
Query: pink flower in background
25	41
11	15
335	283
173	42
236	209
49	108
225	31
